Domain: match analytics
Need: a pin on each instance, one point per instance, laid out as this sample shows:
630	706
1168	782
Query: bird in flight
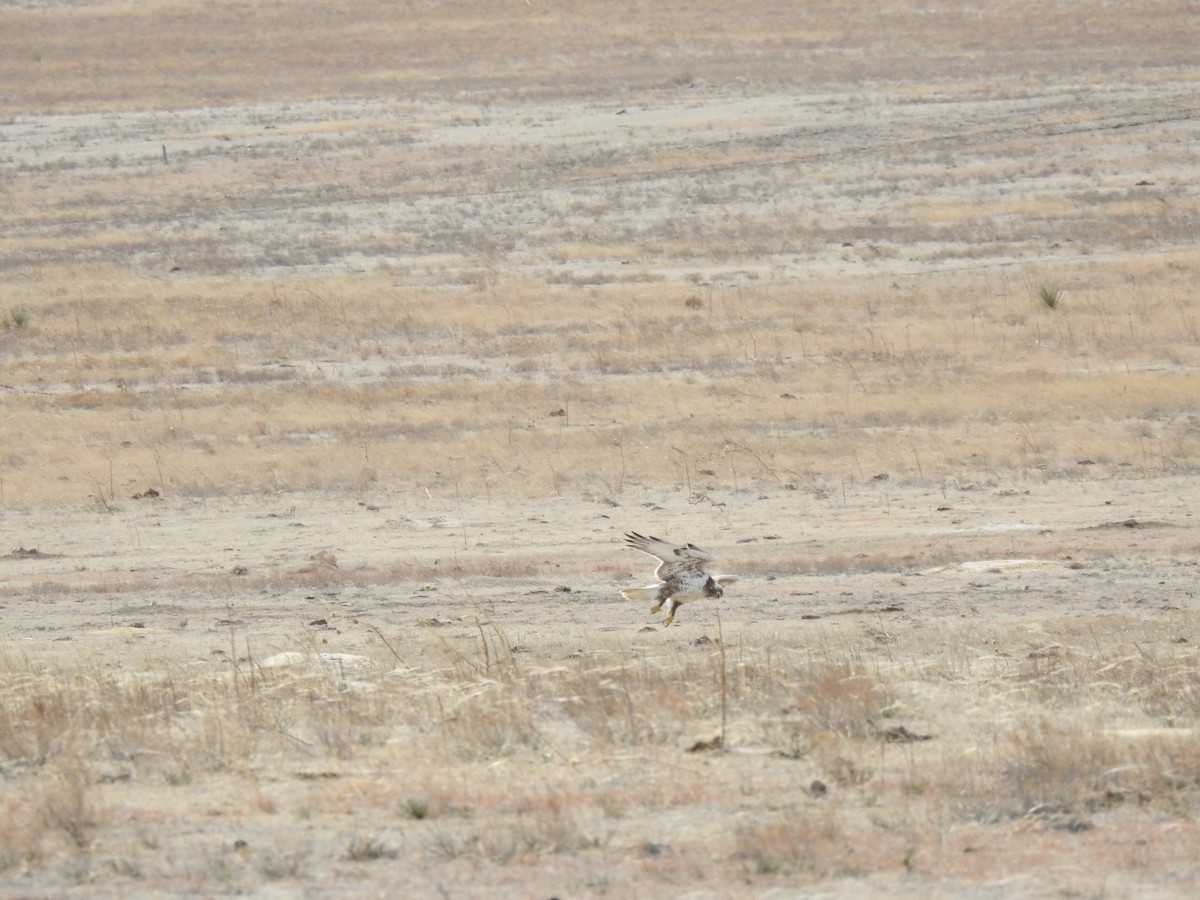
682	574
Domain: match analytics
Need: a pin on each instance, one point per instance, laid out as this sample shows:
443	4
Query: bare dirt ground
341	345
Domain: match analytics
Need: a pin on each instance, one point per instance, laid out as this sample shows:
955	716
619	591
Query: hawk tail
650	592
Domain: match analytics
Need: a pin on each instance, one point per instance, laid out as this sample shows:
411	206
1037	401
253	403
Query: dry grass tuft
1082	767
808	841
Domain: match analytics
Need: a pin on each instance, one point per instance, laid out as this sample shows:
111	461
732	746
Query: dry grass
420	302
593	308
1071	735
161	53
960	387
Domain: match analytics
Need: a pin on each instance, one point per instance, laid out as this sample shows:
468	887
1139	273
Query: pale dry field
342	342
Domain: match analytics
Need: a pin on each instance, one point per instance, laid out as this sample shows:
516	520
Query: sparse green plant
126	868
764	865
1050	296
177	776
415	808
612	806
18	317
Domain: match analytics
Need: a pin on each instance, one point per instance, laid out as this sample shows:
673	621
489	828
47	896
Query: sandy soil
707	185
404	683
363	586
210	567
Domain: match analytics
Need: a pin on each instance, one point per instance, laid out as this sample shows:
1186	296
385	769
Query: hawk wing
674	559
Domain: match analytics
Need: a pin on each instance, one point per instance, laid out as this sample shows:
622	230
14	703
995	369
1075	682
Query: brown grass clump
1083	767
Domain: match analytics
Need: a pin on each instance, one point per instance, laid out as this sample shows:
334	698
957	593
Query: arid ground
342	342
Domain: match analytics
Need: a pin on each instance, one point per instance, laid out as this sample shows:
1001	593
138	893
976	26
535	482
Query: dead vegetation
329	373
1081	734
945	391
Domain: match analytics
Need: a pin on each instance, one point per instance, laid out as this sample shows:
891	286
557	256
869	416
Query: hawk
682	574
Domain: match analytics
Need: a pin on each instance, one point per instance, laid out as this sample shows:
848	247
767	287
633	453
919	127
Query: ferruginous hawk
682	574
